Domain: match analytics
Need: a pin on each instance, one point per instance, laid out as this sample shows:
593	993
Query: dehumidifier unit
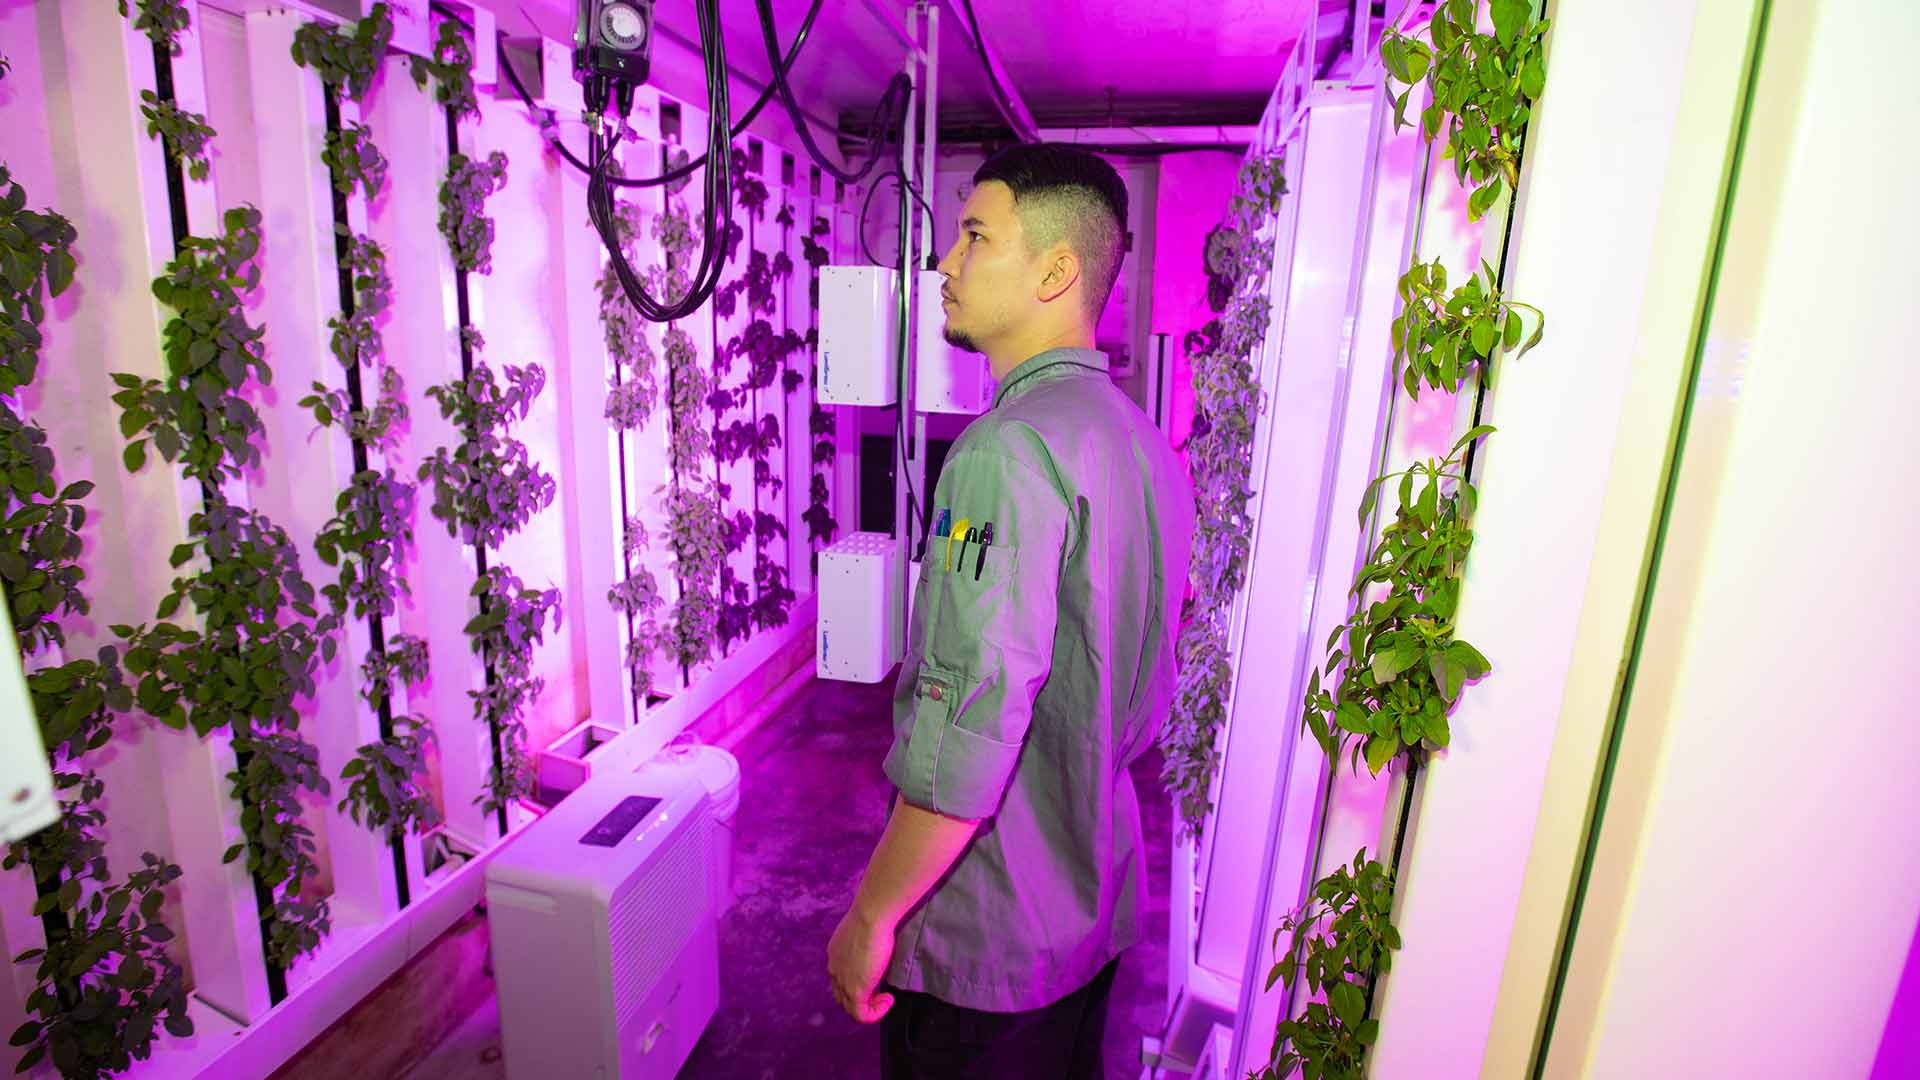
605	949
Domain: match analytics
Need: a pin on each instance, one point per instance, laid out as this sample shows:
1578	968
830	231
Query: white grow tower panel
604	940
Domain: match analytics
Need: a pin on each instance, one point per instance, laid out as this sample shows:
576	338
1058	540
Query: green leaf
1380	750
1533	77
1348	1003
135	455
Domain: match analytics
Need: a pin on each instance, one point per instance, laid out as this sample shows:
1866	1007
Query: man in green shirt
1040	662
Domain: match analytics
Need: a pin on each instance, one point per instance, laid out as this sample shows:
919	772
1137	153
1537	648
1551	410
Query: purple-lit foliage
260	638
463	219
372	522
1220	453
345	60
488	486
186	135
197	416
103	983
272	767
764	601
386	781
511	624
633	386
637	596
451	69
162	21
352	160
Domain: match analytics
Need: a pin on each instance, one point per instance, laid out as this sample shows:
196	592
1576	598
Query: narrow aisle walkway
812	804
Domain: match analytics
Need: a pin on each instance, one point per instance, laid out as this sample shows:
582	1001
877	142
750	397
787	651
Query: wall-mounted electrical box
945	379
859	336
861	632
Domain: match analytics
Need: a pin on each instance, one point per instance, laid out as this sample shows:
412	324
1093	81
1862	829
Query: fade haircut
1064	193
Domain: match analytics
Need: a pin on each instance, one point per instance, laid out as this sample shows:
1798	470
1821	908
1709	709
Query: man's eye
975	236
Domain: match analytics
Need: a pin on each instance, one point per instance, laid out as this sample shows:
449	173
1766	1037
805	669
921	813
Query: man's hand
857	957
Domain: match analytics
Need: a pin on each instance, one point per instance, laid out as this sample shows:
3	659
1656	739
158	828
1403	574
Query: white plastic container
719	773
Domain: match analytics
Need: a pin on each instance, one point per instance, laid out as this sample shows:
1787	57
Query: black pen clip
986	541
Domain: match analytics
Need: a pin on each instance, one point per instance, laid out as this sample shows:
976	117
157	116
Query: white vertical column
592	483
298	258
1623	167
114	181
422	339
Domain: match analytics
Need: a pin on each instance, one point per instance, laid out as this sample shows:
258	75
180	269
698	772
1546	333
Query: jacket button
933	692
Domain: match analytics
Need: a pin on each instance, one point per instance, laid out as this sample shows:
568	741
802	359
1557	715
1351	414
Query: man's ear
1061	270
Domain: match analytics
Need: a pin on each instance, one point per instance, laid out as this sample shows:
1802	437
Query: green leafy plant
377	426
162	21
260	638
186	135
279	848
36	261
637	596
451	70
511	624
103	981
197	415
255	654
372	522
633	385
346	60
1482	88
356	337
1343	939
1442	335
1398	668
404	660
488	486
352	159
463	219
386	787
1220	453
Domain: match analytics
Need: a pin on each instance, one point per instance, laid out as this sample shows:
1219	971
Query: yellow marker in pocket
959	530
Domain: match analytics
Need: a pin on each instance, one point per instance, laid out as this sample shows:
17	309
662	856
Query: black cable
980	46
719	178
866	205
678	172
772	42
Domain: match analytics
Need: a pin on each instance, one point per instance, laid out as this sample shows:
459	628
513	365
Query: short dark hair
1064	192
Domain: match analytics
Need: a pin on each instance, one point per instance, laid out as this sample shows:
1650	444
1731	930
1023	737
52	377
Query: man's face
989	286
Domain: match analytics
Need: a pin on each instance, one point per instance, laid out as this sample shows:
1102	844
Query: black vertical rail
753	417
376	627
177	210
465	309
725	571
786	407
673	416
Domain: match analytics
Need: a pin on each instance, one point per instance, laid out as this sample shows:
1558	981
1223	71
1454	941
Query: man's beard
959	339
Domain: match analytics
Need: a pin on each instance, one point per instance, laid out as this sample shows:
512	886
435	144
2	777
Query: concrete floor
813	802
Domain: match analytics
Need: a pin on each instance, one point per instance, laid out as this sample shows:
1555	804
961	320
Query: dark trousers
928	1039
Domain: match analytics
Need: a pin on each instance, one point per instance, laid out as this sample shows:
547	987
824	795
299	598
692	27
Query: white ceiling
1213	61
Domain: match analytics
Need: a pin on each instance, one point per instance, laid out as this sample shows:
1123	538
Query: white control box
945	379
859	335
861	633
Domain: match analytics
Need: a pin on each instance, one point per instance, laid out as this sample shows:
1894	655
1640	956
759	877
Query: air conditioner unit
605	949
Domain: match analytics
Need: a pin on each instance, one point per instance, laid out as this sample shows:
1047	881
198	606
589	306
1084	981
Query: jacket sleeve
981	642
